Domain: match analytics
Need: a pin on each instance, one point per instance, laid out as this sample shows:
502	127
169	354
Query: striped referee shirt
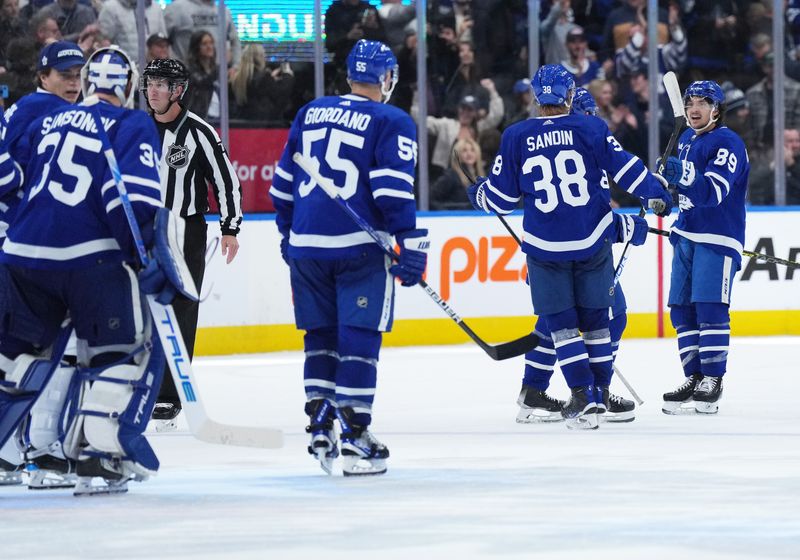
192	157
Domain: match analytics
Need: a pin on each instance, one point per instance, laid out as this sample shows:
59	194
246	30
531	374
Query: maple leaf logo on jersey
177	156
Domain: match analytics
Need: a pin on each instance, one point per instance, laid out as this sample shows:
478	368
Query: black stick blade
511	349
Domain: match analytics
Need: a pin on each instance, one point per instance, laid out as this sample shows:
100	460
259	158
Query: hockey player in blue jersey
555	164
535	404
711	174
59	84
342	283
70	253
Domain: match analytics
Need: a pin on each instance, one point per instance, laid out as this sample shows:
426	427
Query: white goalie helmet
110	70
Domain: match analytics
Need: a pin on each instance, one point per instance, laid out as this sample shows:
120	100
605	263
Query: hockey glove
414	245
679	172
661	205
631	229
285	249
476	194
167	273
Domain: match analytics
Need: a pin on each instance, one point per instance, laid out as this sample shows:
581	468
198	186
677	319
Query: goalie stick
496	352
758	256
201	426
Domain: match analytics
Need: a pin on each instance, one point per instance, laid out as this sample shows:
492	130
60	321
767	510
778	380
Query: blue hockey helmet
110	70
583	103
707	89
369	62
553	85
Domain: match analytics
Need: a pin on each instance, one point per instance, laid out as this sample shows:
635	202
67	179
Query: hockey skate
100	476
613	408
580	412
50	473
680	401
538	407
10	474
362	453
165	415
707	394
323	435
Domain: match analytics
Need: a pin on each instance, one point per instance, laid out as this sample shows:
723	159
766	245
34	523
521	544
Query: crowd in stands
477	66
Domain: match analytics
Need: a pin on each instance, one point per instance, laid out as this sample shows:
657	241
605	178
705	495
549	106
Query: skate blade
706	407
326	460
51	480
357	466
10	478
86	487
678	408
617	418
583	422
538	416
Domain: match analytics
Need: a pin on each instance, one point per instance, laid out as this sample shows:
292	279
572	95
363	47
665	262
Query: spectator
718	32
202	95
737	113
260	93
554	29
617	31
579	64
466	80
346	22
462	11
449	191
671	56
157	47
407	66
74	20
394	18
117	21
761	109
522	104
11	27
20	78
500	36
468	125
761	188
44	30
603	92
443	59
184	18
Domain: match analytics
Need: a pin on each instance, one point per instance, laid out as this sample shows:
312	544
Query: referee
192	158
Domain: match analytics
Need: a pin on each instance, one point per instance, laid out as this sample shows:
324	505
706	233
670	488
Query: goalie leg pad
169	231
116	406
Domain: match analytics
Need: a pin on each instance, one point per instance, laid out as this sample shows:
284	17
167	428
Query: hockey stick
676	102
471	179
758	256
496	352
180	366
627	385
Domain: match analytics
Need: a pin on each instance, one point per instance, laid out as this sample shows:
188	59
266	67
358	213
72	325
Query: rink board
476	266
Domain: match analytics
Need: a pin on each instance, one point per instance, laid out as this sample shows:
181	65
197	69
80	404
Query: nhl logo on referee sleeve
177	156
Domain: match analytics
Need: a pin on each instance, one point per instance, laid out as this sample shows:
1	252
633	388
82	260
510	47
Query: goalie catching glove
414	245
167	274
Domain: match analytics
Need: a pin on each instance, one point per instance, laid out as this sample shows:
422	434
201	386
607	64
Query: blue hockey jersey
712	209
555	164
16	121
71	215
369	152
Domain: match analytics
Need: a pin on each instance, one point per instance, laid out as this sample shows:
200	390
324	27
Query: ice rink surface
464	480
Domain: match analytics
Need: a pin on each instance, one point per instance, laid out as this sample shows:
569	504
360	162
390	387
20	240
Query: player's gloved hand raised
630	228
662	204
679	172
476	195
414	245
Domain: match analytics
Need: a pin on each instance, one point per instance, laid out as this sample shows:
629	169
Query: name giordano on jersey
345	117
552	138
